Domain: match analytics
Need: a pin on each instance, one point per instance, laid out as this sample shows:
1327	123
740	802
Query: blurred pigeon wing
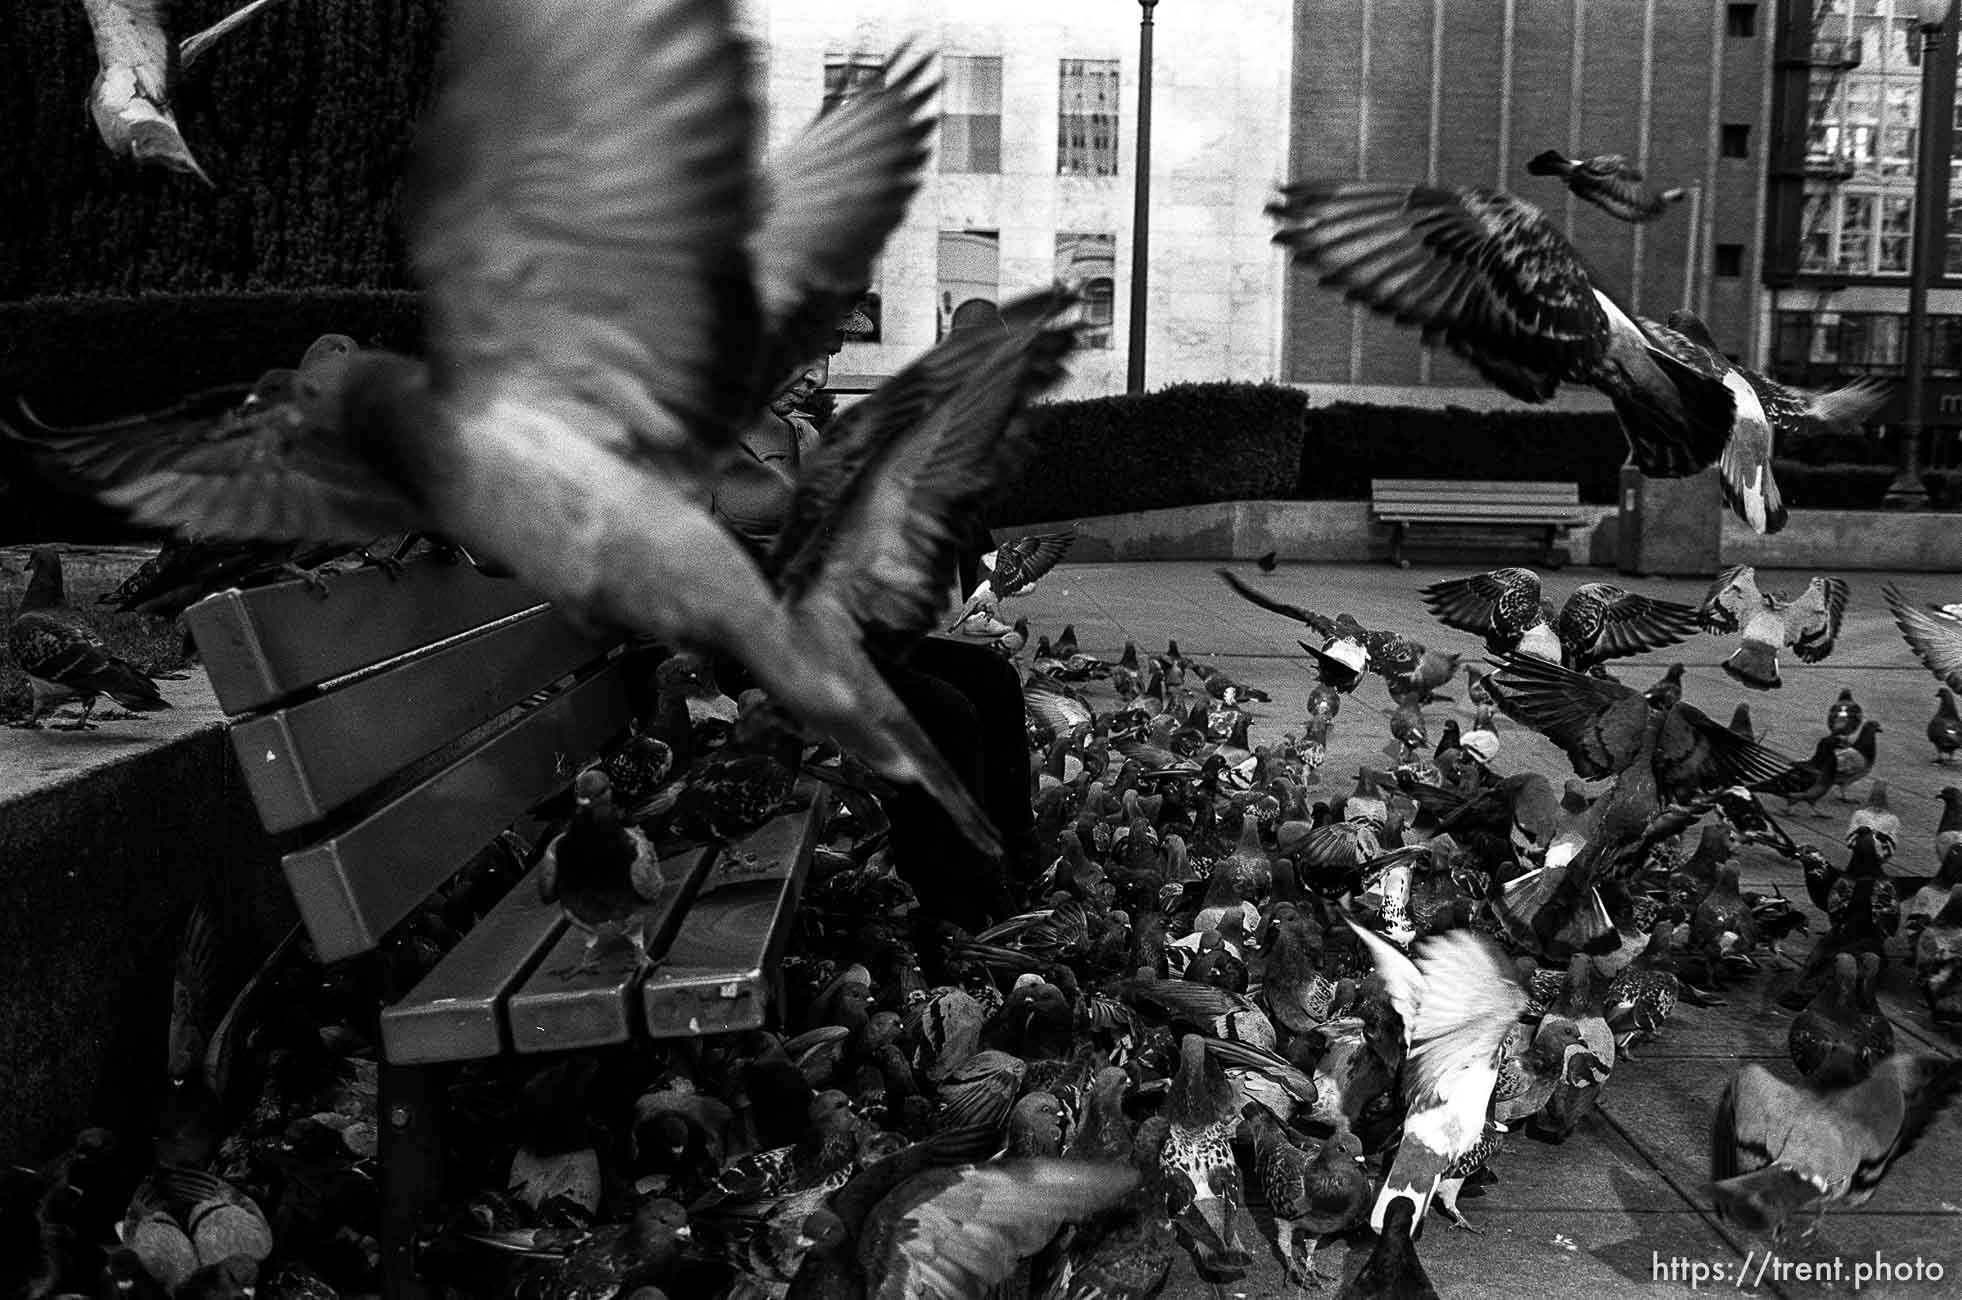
1934	636
1562	705
829	203
1812	624
968	1235
273	475
898	529
579	198
1471	998
1480	269
1058	712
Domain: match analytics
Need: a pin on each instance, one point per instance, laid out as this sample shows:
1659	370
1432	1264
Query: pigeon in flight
1488	275
613	289
1610	182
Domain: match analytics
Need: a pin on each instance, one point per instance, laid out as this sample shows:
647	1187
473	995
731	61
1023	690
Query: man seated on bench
966	697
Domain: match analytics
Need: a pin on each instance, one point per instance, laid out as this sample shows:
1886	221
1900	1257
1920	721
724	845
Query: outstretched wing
1594	720
1731	600
1503	601
278	472
1613	622
579	203
1323	626
1934	634
1481	270
1020	563
830	201
906	474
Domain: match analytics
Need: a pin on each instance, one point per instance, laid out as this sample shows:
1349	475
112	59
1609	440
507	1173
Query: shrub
1349	444
1182	445
1833	487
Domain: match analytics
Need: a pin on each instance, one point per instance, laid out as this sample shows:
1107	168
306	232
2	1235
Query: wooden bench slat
717	976
303	762
553	1013
263	645
1497	514
1523	487
457	1012
353	887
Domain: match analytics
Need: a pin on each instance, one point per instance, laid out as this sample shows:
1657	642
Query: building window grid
1086	118
970	113
1741	21
1088	262
1817	347
845	75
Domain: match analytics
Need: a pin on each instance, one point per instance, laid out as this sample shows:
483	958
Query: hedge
1181	445
1349	444
1833	487
302	118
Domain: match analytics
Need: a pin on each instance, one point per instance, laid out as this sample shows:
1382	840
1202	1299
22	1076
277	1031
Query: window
1952	264
1086	122
872	306
1730	260
1896	233
969	279
1089	264
1737	140
847	74
1741	21
970	114
1856	234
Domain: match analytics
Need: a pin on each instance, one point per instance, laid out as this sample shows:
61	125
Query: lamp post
1931	19
1134	381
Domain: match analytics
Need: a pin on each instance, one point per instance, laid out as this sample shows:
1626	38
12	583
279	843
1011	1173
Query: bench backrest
1473	492
388	730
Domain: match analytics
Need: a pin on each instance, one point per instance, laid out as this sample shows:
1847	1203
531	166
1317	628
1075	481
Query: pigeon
1945	728
1013	568
1778	1149
1610	182
1392	1271
1948	831
137	75
1268	562
1408	667
1807	782
1934	633
1598	622
1938	960
579	154
1204	1188
1488	275
1855	760
1844	715
1740	722
1877	817
1835	1034
64	658
602	870
1767	623
1457	1001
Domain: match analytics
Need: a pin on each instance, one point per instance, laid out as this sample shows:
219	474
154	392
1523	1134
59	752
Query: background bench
1526	520
389	732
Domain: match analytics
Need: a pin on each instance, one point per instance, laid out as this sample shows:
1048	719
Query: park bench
392	730
1528	519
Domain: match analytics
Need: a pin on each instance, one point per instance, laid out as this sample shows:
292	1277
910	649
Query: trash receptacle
1671	527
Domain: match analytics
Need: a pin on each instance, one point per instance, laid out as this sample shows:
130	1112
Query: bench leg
1397	532
411	1102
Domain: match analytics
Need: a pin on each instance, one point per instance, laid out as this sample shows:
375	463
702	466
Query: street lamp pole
1930	185
1141	215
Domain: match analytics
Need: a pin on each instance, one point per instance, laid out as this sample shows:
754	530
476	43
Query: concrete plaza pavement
1617	1210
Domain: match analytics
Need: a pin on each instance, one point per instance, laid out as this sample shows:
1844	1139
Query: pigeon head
385	406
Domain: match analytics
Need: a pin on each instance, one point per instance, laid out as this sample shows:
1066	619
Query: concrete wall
1220	106
107	839
1341	532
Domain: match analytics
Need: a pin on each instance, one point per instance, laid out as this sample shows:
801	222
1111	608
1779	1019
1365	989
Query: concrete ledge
107	840
1341	532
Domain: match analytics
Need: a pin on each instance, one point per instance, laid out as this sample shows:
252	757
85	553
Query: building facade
1847	114
1450	93
1032	178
